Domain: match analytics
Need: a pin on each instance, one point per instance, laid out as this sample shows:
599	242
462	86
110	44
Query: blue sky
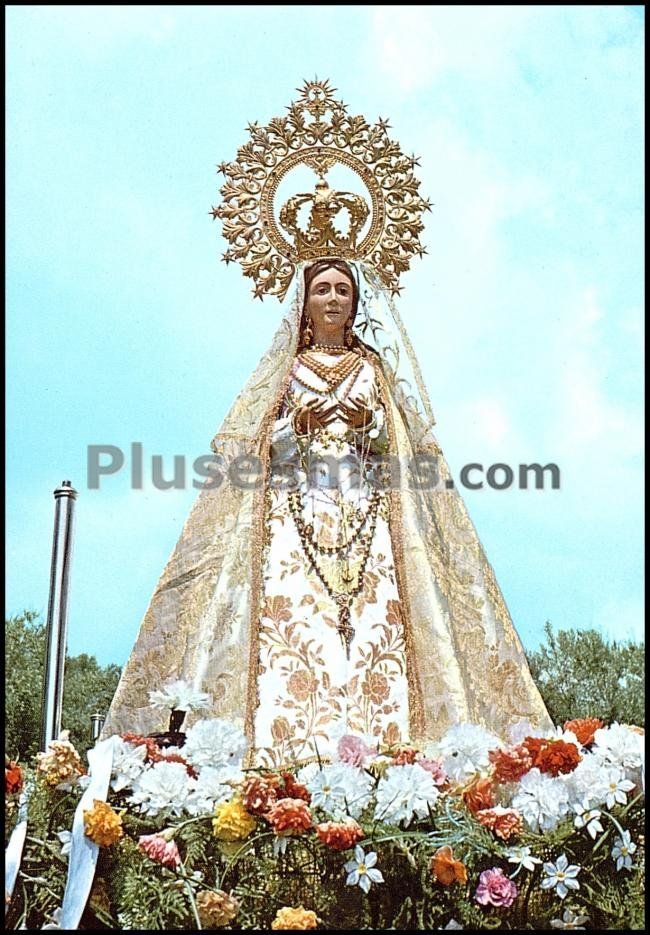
123	326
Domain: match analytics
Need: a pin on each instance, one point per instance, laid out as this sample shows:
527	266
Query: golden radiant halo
305	138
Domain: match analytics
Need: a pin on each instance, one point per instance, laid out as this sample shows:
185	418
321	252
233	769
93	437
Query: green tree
580	674
87	688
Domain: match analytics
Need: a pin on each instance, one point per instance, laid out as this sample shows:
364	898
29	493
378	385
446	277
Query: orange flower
340	835
295	790
13	777
479	794
504	822
298	919
533	745
557	757
510	765
584	728
289	816
446	869
259	793
102	825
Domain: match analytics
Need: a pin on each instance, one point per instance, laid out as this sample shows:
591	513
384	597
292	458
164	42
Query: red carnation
340	835
511	764
295	790
479	794
13	777
289	816
584	728
558	757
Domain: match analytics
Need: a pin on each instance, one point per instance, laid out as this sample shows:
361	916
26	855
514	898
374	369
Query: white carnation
587	784
339	790
464	750
542	800
214	742
405	791
179	696
213	785
618	746
128	763
164	785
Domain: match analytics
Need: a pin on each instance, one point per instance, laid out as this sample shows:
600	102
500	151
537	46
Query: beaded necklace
351	583
333	375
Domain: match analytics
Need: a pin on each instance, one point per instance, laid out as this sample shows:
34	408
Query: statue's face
329	303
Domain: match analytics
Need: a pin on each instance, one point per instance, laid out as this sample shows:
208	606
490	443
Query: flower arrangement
469	832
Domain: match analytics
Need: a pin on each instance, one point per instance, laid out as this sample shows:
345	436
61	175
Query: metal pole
57	612
96	724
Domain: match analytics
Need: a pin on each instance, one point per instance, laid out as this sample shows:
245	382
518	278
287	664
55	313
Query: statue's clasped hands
318	414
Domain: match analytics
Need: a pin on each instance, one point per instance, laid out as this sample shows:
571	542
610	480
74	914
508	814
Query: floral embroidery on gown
311	690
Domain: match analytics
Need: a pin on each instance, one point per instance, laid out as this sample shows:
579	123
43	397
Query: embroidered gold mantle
465	662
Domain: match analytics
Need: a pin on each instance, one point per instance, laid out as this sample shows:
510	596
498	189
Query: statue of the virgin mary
337	586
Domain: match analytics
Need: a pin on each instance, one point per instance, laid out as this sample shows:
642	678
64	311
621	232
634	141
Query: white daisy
214	742
164	785
623	849
405	791
570	920
617	787
523	857
362	871
589	819
561	876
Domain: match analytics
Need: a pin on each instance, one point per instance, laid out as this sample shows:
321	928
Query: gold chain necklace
335	374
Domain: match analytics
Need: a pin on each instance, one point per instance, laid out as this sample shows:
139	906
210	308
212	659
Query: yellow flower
296	919
232	822
102	825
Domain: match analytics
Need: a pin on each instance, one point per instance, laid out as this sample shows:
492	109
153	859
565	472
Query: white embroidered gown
313	685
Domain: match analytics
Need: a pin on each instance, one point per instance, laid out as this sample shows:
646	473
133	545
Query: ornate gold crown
304	137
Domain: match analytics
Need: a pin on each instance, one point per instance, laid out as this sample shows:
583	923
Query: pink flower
353	750
157	848
495	889
435	768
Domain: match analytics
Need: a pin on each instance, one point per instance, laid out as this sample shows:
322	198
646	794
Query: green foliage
88	687
146	895
580	674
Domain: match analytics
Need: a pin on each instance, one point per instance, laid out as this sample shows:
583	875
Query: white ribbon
14	851
84	853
